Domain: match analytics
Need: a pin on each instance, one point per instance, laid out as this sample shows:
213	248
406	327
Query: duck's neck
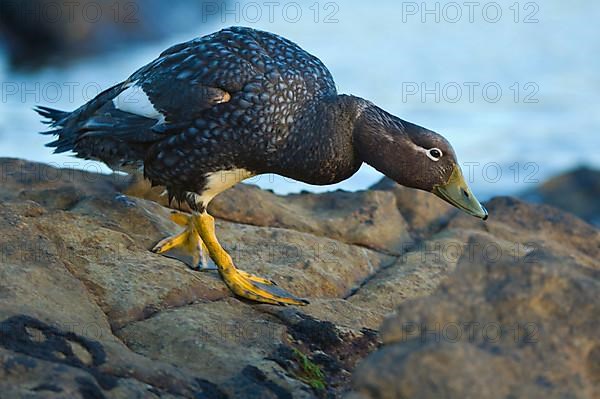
319	148
383	141
334	137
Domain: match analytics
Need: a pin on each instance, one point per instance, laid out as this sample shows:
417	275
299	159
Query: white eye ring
431	156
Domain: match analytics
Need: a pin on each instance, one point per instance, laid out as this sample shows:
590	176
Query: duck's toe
258	289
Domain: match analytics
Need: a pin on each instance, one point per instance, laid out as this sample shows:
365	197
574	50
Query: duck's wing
159	100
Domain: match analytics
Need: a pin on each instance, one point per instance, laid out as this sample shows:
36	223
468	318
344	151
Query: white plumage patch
217	182
135	101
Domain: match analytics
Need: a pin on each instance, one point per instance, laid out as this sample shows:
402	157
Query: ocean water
513	85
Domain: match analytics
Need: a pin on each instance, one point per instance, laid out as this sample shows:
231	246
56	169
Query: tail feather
49	132
57	119
98	130
55	116
65	142
67	125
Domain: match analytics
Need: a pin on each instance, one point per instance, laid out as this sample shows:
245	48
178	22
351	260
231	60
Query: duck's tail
57	121
54	115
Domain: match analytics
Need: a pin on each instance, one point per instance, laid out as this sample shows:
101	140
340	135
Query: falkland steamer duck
239	103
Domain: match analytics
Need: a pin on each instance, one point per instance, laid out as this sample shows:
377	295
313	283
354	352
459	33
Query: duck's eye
434	154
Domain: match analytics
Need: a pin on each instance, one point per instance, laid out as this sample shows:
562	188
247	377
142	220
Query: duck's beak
457	192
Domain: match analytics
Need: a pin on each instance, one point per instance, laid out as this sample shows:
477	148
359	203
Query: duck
219	109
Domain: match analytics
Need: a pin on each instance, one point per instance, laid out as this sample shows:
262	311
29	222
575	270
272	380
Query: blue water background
382	51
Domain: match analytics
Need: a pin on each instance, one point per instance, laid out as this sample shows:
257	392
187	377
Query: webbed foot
186	246
241	283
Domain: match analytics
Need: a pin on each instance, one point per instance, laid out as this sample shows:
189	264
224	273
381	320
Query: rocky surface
87	311
424	212
517	318
576	191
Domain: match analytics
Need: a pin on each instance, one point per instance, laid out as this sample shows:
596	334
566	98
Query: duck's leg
186	246
241	283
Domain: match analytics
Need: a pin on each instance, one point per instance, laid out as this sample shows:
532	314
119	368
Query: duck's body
237	102
213	111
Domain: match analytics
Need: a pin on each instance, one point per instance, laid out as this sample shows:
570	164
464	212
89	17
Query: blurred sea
517	93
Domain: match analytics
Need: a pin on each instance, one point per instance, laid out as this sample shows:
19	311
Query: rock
335	349
210	339
576	192
50	317
532	227
76	273
425	213
346	312
499	326
86	310
52	187
416	273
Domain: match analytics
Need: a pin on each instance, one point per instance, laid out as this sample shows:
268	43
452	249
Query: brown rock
367	218
78	278
425	213
53	325
414	274
346	313
215	340
364	218
52	187
305	264
576	191
498	327
536	227
86	309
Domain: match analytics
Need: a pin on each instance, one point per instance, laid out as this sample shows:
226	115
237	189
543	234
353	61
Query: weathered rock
210	339
576	192
425	213
86	310
52	187
75	265
416	273
347	312
366	218
533	227
500	326
336	349
124	278
132	282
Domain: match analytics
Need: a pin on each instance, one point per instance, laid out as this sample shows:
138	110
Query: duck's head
414	157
